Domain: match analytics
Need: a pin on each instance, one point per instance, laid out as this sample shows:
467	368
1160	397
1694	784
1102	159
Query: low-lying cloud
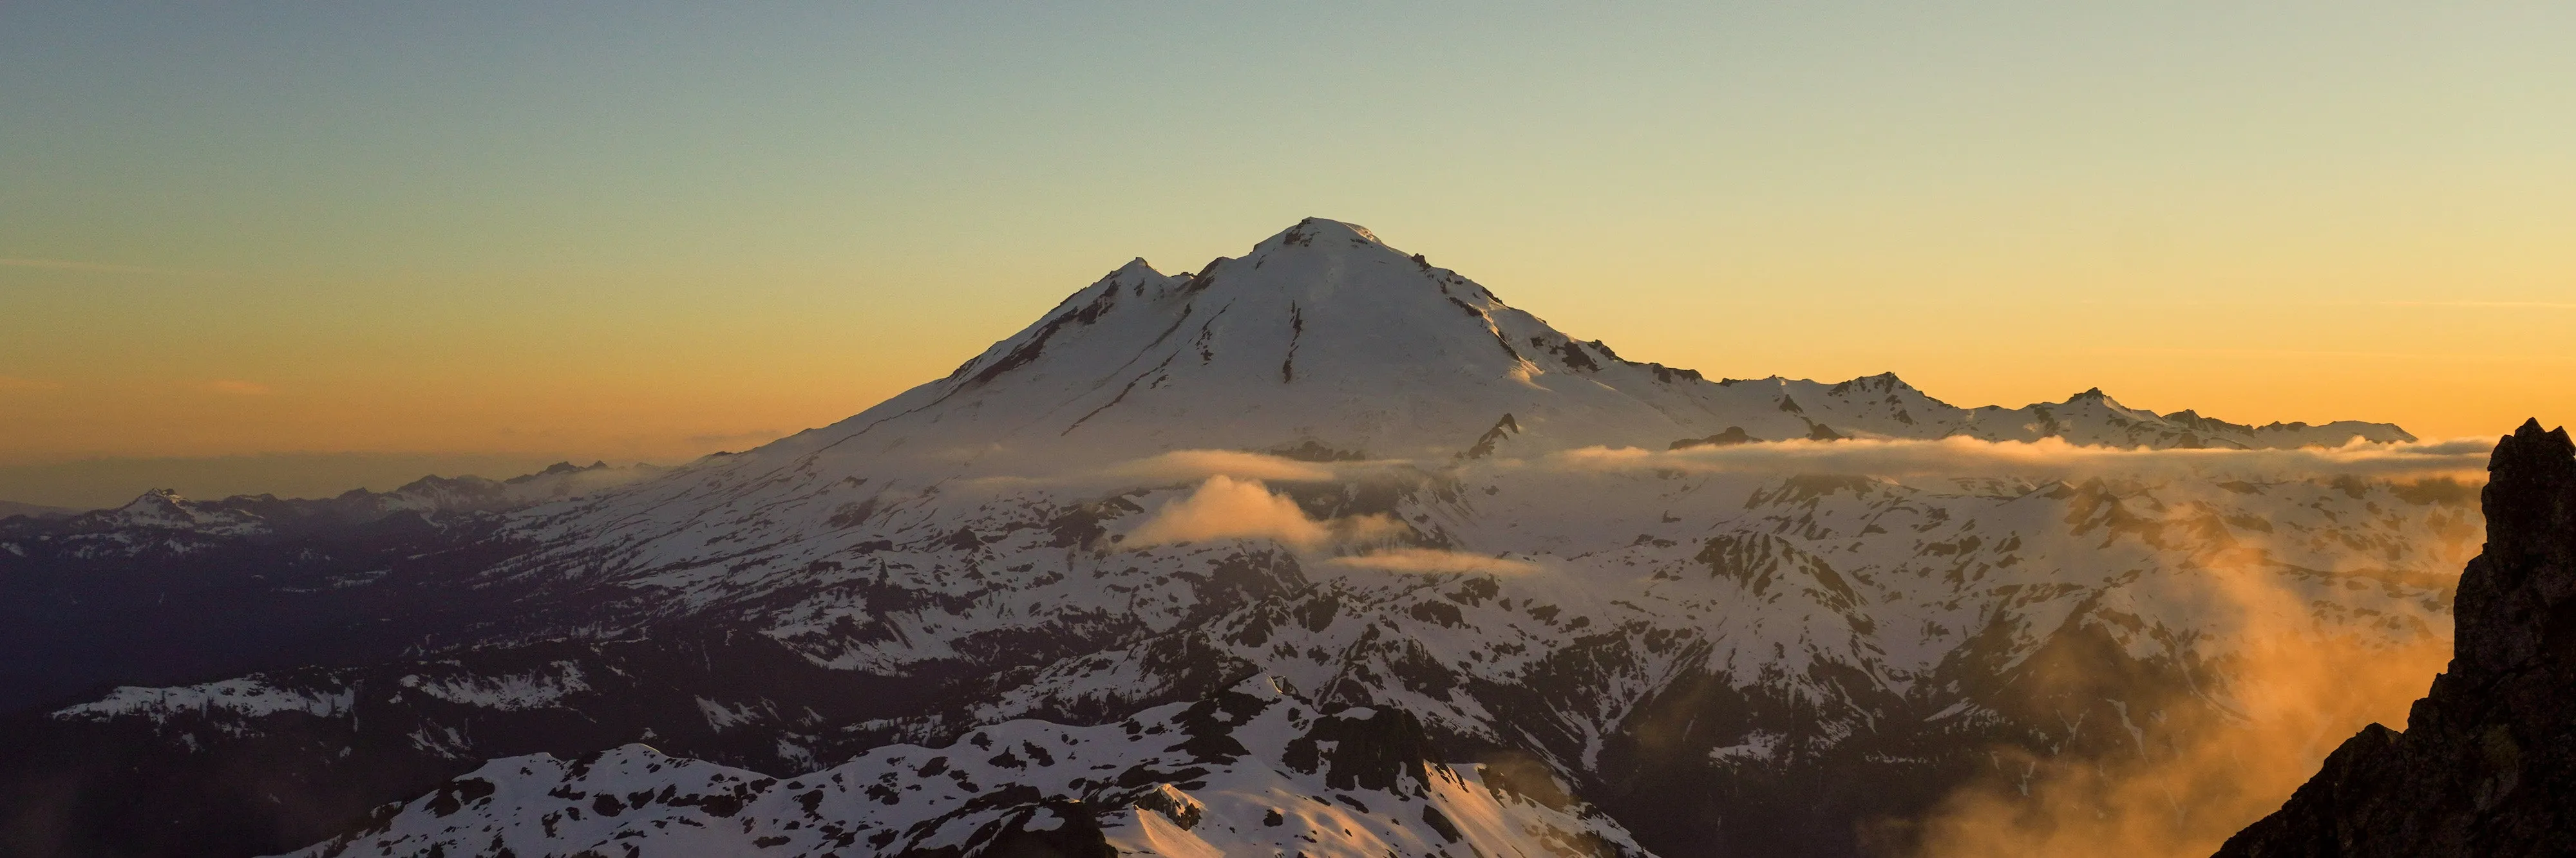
1224	507
1430	560
2292	689
1228	508
2047	457
1185	465
1189	466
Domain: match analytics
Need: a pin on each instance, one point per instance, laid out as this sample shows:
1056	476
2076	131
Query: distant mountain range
1323	549
12	509
427	499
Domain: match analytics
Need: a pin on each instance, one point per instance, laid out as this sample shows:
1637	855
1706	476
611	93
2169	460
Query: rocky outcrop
2487	764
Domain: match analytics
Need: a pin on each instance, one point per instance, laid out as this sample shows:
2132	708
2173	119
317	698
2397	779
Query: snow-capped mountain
1323	338
1331	467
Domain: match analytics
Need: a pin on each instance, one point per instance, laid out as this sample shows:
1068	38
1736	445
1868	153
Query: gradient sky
649	231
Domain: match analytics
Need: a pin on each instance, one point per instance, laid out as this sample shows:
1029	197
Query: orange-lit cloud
1227	508
1224	507
1197	464
2292	690
10	383
1186	466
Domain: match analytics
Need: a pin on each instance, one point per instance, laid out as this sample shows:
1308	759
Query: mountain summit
1320	334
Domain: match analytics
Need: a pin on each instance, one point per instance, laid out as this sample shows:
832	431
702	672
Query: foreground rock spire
2487	765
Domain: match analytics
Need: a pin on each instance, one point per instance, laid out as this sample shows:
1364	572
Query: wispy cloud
1431	560
11	383
237	387
1186	466
2292	687
1198	464
2051	457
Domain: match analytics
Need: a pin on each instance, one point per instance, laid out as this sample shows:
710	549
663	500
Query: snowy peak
1307	231
153	501
1320	333
1323	335
156	508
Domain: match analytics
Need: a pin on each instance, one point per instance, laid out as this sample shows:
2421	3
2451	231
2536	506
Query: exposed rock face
2487	765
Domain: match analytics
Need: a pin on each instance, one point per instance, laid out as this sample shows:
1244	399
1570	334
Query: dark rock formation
2487	765
1732	435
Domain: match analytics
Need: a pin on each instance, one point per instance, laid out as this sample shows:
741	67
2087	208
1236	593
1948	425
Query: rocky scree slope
2487	763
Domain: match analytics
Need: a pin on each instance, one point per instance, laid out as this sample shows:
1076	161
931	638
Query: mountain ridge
13	509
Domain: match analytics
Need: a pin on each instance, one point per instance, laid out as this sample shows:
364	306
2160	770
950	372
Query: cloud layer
2293	688
2049	457
1184	465
1429	560
1224	507
1228	508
